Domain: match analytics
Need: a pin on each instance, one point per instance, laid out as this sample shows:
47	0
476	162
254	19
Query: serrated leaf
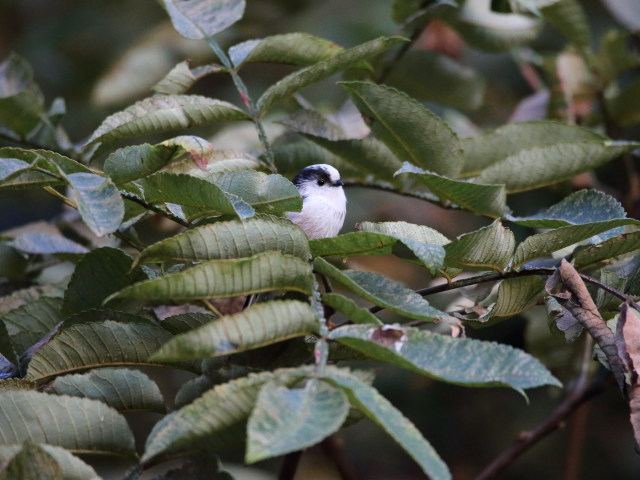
352	244
31	462
81	424
461	361
183	322
46	243
181	78
260	325
210	416
266	193
489	248
227	278
447	82
231	239
162	113
321	70
425	243
199	19
137	161
381	291
349	308
489	200
120	388
570	19
72	468
98	200
410	131
379	410
91	345
28	323
514	296
285	420
21	101
609	249
486	29
542	244
581	207
100	273
292	48
548	164
193	192
364	154
491	147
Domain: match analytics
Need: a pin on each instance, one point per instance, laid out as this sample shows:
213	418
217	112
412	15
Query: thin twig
136	199
247	100
554	421
61	197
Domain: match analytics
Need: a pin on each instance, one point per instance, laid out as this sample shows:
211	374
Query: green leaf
570	19
609	249
488	30
366	154
260	325
183	322
211	416
21	101
91	345
137	161
100	273
231	239
77	424
266	193
181	78
614	56
543	244
28	323
98	200
379	410
432	76
548	164
199	19
352	244
489	248
425	243
410	131
512	139
193	192
489	200
624	106
514	296
285	420
321	70
381	291
349	308
10	384
120	388
581	207
162	113
227	278
292	48
44	243
462	361
31	462
72	468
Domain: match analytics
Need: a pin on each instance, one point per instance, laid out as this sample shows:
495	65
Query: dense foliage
286	373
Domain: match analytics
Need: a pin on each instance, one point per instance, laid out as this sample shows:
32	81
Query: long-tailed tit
324	204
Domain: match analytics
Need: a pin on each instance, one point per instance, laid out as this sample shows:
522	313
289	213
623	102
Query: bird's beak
338	183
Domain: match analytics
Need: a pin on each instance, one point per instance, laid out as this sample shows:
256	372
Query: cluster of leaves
270	375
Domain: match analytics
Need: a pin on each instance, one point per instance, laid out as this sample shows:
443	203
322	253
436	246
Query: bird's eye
320	182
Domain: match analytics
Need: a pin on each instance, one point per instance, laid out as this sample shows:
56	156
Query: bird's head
321	179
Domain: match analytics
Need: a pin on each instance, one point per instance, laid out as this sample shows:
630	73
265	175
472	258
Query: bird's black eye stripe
311	174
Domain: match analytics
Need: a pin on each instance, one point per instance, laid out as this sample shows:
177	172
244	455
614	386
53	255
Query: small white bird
324	204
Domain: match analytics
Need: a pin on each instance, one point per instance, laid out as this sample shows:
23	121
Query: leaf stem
136	199
61	197
247	100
